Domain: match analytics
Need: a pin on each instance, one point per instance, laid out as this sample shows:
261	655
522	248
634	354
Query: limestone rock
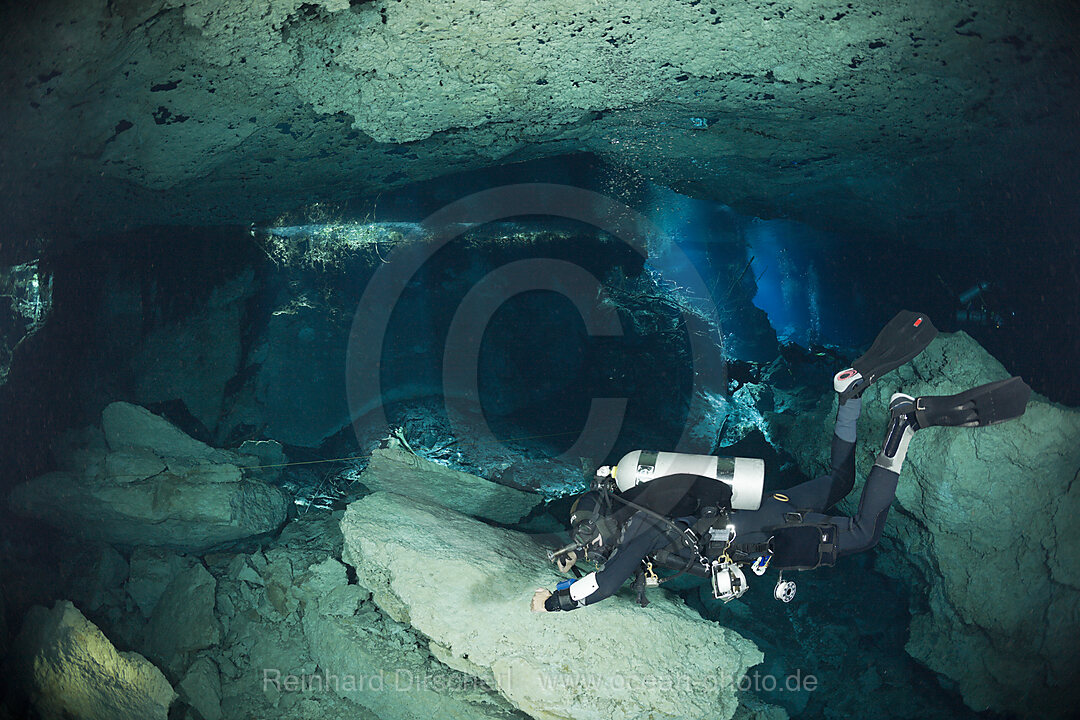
136	464
706	98
381	664
466	586
156	486
201	688
69	669
183	620
150	572
129	426
984	520
397	470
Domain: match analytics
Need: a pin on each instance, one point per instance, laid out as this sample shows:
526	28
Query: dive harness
795	545
798	544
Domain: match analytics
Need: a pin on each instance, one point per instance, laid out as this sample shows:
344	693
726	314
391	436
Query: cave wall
982	530
895	119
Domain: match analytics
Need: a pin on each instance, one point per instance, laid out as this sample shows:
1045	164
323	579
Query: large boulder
130	429
183	620
384	665
151	485
295	623
201	688
466	586
984	525
69	669
397	470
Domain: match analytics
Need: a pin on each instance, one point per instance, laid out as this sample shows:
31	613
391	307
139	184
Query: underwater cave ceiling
893	119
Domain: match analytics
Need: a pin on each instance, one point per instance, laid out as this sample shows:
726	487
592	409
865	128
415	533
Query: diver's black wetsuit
679	497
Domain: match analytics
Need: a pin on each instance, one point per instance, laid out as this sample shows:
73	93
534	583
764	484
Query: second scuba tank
745	476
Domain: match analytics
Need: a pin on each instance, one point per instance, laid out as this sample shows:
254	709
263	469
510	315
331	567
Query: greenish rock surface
843	117
467	586
984	526
150	571
201	688
183	620
150	485
386	666
395	469
129	427
69	669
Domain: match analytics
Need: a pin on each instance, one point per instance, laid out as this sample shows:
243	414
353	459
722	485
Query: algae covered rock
69	669
152	485
466	586
984	525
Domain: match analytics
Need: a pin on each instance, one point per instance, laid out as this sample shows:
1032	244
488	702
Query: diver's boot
902	426
904	337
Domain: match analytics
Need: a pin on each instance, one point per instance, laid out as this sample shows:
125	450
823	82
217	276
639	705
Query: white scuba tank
746	476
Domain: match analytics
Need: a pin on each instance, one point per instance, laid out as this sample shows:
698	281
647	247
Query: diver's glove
538	599
566	561
570	594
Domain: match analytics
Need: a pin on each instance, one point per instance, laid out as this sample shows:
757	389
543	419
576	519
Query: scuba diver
705	515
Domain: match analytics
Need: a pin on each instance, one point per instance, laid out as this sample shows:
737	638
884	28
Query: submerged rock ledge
846	117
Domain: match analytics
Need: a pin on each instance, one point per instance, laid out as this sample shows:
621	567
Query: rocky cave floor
278	591
217	622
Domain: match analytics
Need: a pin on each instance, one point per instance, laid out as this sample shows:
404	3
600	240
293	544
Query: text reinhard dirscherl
403	680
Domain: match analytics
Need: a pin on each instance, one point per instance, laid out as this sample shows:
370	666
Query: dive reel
728	581
592	530
784	591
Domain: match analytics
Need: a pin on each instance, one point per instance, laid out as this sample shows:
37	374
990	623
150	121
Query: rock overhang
891	119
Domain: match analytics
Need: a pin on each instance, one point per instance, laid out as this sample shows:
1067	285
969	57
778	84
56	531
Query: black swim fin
984	405
900	341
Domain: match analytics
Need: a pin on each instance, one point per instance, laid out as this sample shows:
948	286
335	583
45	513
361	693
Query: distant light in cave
789	261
